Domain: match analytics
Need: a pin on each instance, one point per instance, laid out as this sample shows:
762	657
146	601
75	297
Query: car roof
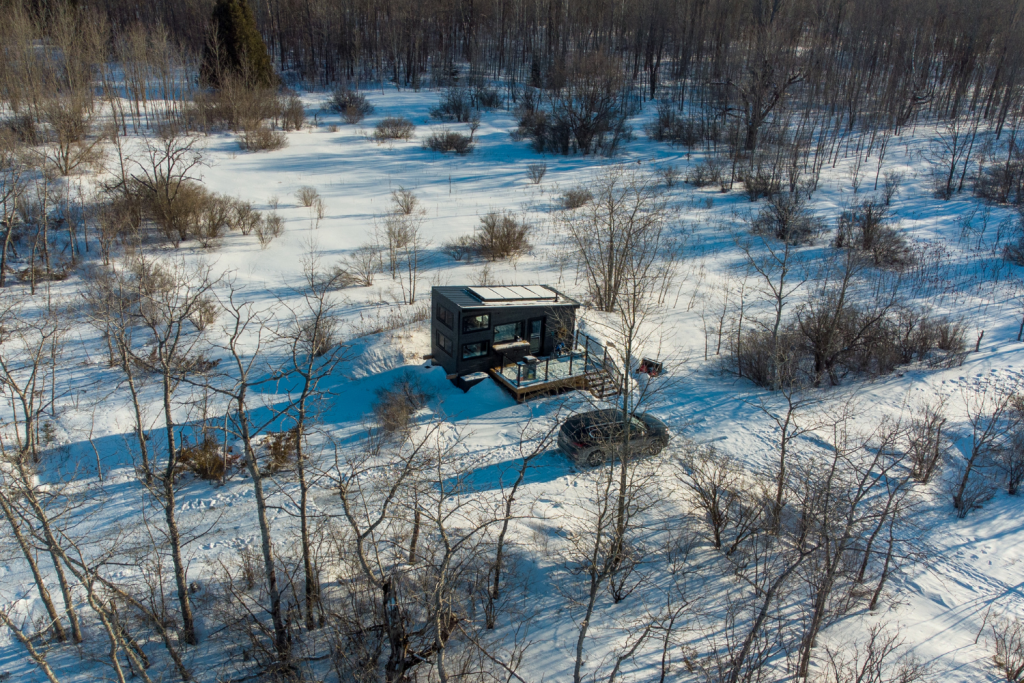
592	417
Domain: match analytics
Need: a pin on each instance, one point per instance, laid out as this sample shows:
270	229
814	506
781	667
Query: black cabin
474	329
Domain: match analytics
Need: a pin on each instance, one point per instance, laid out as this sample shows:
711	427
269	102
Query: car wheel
595	458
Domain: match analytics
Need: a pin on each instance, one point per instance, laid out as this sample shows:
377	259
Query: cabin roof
479	296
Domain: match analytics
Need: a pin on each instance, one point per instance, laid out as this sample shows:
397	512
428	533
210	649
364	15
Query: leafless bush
1008	648
449	141
488	98
307	195
535	172
293	114
671	126
868	228
258	137
319	337
243	217
350	104
576	197
280	449
670	174
707	172
1010	460
764	180
501	236
766	361
362	265
891	186
395	405
924	442
459	247
785	216
404	200
394	128
213	221
950	335
455	105
176	215
971	489
714	482
205	460
881	659
1002	181
203	314
23	128
338	277
269	229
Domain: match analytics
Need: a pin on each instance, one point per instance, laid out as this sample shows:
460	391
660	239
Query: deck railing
586	355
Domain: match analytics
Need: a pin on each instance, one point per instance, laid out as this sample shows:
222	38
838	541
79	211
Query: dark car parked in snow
593	437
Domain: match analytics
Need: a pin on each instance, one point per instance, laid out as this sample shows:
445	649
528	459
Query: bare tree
315	352
170	297
992	415
620	234
12	188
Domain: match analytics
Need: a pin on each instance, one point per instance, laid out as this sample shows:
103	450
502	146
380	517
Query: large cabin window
509	332
475	322
475	350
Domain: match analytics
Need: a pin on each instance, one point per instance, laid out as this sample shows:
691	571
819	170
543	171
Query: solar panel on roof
513	293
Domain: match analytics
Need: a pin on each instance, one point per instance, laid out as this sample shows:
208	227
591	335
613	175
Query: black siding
500	315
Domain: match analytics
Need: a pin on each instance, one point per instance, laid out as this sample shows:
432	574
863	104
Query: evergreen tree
239	49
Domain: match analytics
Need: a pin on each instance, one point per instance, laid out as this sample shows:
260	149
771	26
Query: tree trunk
188	627
44	594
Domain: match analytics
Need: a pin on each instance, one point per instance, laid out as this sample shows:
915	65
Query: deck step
600	385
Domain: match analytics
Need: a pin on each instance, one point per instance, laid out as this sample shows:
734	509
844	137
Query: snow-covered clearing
942	600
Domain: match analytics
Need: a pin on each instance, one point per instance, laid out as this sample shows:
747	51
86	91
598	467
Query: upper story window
446	317
475	322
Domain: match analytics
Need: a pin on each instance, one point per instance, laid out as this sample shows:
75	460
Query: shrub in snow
536	172
395	404
243	217
268	229
449	141
404	201
293	114
205	460
786	217
707	172
307	195
671	126
501	236
488	98
761	181
394	128
350	104
1008	648
455	105
576	197
280	450
358	268
924	442
868	228
258	137
459	247
1011	462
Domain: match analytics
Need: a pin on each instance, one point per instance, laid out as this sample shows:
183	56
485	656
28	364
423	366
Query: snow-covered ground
942	601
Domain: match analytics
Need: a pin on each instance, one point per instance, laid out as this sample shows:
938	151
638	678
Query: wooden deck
538	388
